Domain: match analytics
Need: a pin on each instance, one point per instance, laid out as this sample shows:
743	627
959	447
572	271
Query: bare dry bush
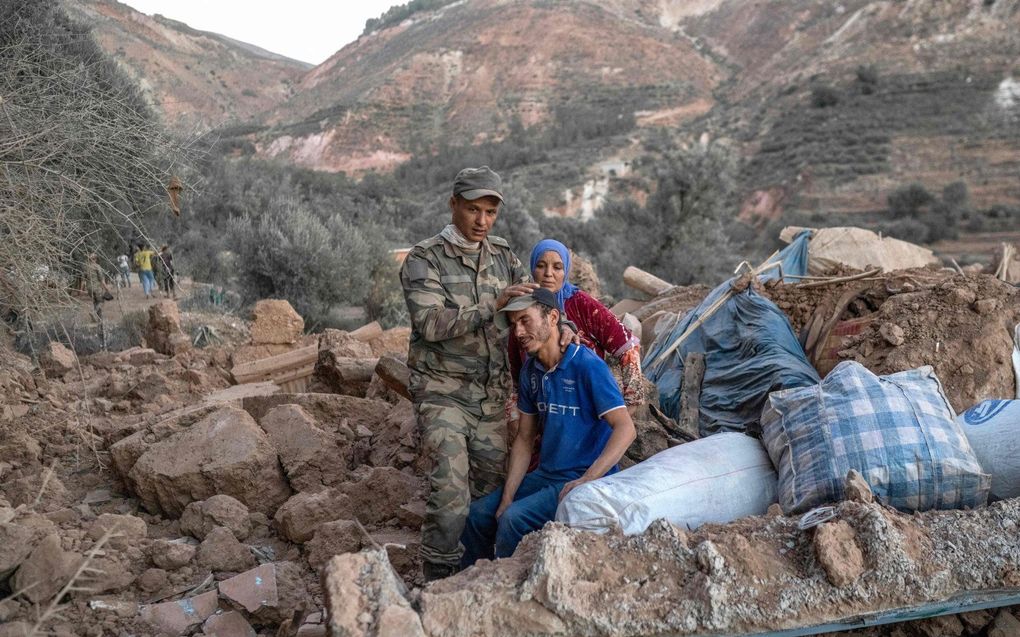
82	158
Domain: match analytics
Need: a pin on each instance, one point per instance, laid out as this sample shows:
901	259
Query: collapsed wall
755	574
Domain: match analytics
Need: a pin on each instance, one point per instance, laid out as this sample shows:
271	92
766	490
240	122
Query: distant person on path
123	271
95	285
573	399
143	261
597	326
454	283
166	273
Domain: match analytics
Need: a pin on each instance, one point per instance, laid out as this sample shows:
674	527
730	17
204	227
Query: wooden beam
368	332
690	393
265	368
645	282
395	374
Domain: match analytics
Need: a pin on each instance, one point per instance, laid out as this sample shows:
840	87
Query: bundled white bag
993	429
715	479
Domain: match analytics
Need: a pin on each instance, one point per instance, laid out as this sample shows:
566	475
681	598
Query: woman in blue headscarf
597	327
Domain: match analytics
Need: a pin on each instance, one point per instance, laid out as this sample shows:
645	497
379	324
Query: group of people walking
507	357
155	270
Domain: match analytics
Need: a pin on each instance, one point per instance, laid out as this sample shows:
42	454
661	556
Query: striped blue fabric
898	431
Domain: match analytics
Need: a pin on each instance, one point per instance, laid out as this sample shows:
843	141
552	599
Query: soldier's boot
432	571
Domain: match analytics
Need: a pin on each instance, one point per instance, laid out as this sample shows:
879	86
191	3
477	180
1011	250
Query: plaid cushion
898	431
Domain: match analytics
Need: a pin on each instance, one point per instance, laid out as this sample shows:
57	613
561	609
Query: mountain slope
468	71
194	79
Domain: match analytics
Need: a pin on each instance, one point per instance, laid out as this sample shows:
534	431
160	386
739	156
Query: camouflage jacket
455	349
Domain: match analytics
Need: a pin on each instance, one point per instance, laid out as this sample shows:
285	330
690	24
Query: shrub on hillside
288	252
824	96
867	78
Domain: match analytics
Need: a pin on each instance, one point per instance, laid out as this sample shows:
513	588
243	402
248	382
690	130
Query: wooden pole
366	333
645	282
395	374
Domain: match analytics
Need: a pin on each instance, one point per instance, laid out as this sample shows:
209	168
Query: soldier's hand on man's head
518	289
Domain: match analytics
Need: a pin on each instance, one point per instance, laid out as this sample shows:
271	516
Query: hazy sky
306	30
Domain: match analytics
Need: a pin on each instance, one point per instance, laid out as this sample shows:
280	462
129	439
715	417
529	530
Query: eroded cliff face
196	80
942	104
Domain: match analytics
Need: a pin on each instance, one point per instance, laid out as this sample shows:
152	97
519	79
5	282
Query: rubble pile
172	503
962	325
167	499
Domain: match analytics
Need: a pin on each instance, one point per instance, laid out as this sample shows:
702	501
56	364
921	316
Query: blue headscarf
552	245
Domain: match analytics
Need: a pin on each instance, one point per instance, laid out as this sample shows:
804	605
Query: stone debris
172	555
221	552
364	597
124	529
16	544
56	360
45	571
301	516
857	488
225	453
312	458
271	592
163	331
1005	625
335	538
229	624
177	618
837	551
326	491
221	510
275	322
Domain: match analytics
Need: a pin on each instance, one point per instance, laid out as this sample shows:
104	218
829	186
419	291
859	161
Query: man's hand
568	336
504	504
570	486
518	289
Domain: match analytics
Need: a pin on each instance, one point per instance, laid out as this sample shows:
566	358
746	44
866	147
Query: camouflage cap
540	296
473	183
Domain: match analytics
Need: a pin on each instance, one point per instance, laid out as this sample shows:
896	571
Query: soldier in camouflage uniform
453	284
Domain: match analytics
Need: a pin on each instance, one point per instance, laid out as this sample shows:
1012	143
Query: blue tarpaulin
750	350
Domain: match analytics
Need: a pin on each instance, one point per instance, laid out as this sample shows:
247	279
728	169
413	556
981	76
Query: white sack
993	429
715	479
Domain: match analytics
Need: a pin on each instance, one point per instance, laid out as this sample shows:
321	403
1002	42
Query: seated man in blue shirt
573	399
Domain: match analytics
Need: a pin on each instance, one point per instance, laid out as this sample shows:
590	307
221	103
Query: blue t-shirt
570	401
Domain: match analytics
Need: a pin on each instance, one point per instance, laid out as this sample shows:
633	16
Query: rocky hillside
832	105
836	104
469	70
196	80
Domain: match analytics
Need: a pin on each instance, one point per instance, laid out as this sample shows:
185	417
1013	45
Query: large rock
345	363
378	493
124	530
335	413
163	330
336	538
220	551
199	518
45	571
301	516
16	544
226	452
56	360
364	597
275	322
312	458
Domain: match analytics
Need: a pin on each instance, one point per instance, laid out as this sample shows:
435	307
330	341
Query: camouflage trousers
467	447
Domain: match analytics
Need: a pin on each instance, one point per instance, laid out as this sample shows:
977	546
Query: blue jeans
148	281
534	504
